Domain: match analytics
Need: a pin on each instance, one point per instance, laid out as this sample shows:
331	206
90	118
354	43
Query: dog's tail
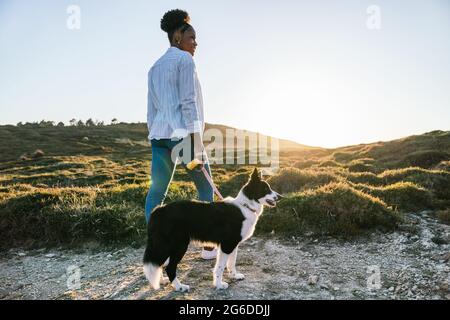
155	255
154	261
153	273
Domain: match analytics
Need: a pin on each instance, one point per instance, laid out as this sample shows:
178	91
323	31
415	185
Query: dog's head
260	191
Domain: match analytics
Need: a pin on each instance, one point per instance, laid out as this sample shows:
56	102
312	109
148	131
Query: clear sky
309	71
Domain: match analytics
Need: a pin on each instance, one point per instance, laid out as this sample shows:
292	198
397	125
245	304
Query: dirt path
411	266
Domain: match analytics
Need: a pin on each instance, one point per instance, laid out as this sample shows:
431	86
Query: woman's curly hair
174	20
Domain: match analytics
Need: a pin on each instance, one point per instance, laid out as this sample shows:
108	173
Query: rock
439	240
444	286
312	280
324	286
21	254
336	288
50	255
38	154
115	294
391	289
109	256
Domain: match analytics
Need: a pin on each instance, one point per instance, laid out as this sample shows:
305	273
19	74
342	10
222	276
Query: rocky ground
412	263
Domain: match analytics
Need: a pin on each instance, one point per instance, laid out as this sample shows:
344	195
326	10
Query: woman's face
187	42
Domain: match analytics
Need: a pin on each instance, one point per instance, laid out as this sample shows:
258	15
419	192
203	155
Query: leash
193	164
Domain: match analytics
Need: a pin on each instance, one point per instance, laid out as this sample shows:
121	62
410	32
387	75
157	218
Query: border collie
224	224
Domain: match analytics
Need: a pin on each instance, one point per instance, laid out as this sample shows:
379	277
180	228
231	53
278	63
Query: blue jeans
162	172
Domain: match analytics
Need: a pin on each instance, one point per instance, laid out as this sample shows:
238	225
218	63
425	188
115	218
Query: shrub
342	156
334	209
330	163
443	165
73	215
293	179
405	196
364	177
305	164
444	216
425	158
438	182
361	165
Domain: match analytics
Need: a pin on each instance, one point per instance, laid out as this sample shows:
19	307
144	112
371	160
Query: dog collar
249	208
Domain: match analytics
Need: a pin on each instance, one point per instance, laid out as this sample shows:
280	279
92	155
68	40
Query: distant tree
45	124
80	123
60	124
31	124
20	124
73	121
114	121
90	122
100	123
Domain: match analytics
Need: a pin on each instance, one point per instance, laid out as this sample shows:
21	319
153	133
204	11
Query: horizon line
225	125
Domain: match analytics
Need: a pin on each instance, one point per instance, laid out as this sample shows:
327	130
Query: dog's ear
255	175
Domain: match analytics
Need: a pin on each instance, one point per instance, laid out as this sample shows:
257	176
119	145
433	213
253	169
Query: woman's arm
151	109
189	108
188	95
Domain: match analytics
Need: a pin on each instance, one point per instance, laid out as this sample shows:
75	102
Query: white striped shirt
174	102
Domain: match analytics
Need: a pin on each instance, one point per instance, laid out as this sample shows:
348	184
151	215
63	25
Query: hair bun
174	19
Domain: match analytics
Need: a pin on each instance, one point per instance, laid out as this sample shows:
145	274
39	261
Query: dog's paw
164	280
221	286
182	288
237	276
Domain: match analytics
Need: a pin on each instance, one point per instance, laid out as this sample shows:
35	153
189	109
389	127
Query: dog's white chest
250	219
248	227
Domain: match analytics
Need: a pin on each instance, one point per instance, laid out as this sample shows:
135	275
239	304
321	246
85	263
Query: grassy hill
91	183
111	140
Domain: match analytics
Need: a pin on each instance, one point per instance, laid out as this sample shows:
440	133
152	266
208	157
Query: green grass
404	196
94	189
293	179
36	216
333	209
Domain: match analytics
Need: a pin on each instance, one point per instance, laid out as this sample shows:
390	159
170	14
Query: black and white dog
224	224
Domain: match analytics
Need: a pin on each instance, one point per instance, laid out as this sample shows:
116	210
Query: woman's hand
198	150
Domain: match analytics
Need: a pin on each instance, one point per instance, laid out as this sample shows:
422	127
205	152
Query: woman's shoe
209	254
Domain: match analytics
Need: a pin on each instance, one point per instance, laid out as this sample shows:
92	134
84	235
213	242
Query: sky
321	73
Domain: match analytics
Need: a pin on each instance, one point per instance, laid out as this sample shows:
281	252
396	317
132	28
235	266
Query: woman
175	114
